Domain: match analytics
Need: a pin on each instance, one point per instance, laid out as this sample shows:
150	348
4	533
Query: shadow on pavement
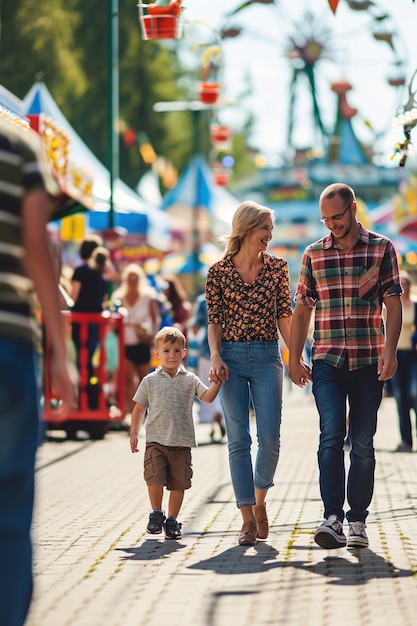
152	549
342	571
241	560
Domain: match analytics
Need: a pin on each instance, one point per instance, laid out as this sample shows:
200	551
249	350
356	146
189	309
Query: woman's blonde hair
143	285
248	216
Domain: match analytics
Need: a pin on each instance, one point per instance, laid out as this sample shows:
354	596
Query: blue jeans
404	389
332	387
19	432
255	379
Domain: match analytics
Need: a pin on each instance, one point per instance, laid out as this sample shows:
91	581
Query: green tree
37	41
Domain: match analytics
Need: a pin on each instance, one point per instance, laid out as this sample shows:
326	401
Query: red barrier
94	407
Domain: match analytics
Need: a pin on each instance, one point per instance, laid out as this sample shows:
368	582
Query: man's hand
300	373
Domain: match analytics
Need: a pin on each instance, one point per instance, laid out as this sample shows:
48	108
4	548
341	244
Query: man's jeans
332	387
255	377
19	433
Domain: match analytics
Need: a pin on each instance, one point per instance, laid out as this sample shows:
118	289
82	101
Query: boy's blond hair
169	334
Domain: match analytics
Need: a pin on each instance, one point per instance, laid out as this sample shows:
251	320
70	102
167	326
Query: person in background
180	306
249	302
209	413
26	264
168	394
404	383
346	277
138	302
89	292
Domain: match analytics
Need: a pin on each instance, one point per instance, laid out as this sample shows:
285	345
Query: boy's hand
134	443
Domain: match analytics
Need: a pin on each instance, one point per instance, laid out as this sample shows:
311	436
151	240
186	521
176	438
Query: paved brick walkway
96	566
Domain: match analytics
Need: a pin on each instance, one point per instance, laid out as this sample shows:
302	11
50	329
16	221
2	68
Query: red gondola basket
208	92
221	175
158	22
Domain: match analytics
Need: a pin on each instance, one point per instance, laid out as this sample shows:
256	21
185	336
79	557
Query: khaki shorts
168	465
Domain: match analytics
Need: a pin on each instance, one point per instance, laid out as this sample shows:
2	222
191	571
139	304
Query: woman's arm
284	327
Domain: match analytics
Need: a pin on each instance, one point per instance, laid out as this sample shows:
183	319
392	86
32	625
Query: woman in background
137	301
404	383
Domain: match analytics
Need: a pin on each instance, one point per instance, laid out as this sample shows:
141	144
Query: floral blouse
249	312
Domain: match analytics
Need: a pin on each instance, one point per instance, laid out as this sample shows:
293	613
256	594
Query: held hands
300	373
219	372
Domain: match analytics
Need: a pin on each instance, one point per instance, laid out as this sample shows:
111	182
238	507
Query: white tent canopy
126	201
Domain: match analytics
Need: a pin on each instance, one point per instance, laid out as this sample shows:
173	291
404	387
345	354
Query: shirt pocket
368	284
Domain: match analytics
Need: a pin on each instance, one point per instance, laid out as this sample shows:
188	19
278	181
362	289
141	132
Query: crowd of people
364	334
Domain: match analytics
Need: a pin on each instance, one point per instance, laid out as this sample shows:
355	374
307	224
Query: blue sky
354	56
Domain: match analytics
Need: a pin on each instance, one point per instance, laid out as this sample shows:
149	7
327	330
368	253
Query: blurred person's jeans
255	379
404	389
19	434
332	388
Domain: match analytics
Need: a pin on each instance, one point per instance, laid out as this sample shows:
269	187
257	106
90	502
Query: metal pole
113	101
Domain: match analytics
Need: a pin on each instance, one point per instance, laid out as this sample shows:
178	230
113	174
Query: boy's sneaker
357	535
172	529
330	534
156	522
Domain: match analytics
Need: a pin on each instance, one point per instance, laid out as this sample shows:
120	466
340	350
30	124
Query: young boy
168	393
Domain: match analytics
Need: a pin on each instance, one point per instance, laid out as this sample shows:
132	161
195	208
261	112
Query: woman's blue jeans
255	379
332	388
404	389
19	435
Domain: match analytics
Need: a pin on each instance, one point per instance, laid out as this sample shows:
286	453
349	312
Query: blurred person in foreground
26	266
346	277
249	303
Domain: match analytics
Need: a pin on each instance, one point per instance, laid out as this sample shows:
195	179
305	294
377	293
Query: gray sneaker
357	535
330	534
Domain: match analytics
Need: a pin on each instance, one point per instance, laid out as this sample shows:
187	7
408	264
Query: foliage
65	43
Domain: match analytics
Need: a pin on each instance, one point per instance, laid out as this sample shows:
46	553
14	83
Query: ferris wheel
320	58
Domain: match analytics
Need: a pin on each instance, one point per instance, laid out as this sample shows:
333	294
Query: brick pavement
96	566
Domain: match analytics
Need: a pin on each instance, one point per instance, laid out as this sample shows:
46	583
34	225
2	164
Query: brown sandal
259	510
247	535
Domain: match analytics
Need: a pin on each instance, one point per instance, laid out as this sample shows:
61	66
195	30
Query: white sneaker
357	535
330	534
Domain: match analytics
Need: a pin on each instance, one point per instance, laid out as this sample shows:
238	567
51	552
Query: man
347	277
25	263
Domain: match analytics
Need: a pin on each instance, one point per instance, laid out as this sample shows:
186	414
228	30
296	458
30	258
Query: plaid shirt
346	287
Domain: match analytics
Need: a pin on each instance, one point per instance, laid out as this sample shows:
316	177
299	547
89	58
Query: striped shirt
346	287
22	169
249	312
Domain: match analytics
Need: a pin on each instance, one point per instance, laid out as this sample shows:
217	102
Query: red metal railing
102	410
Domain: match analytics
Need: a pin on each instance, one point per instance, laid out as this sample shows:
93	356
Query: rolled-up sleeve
305	293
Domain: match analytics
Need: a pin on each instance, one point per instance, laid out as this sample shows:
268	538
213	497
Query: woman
249	300
404	383
137	300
